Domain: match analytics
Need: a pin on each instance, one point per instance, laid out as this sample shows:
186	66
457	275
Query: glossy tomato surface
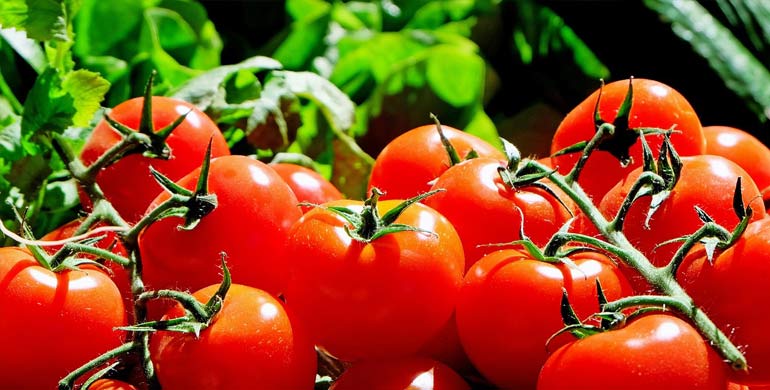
128	184
377	299
52	323
399	374
255	209
743	149
657	351
509	306
254	342
408	164
308	185
655	105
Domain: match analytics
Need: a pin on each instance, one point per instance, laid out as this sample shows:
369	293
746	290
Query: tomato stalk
661	278
68	382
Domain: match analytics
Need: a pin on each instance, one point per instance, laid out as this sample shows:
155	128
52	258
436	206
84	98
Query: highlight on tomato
399	374
742	148
654	105
308	185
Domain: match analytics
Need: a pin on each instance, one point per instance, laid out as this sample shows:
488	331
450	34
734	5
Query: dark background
626	36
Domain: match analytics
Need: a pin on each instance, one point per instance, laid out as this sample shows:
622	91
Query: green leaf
101	26
741	71
27	48
305	39
87	90
336	106
43	20
455	75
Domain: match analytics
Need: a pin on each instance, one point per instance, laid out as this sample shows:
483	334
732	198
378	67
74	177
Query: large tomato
408	164
252	343
706	181
128	184
111	384
52	323
399	374
250	225
486	211
308	185
657	351
654	105
382	298
744	149
509	306
729	289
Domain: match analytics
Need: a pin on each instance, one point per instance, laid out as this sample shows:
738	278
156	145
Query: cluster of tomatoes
446	277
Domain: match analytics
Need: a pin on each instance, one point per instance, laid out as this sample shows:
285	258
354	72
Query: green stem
6	91
660	278
651	300
112	154
68	382
709	229
99	252
196	308
645	179
603	130
174	201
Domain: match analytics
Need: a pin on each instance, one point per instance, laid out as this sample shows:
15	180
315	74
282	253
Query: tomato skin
742	148
372	300
52	323
399	374
509	306
110	384
255	210
406	165
308	185
252	341
729	289
706	181
655	105
128	184
657	351
485	211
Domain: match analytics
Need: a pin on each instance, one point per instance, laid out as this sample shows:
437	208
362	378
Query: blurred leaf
43	20
735	64
26	47
457	76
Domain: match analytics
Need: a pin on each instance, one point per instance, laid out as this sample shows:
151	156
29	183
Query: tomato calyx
367	225
454	157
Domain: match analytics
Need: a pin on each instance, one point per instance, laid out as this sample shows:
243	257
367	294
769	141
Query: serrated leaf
87	90
43	20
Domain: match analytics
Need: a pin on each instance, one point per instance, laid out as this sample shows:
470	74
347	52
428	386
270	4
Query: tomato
253	342
485	211
408	164
110	241
128	184
509	306
250	225
707	182
730	290
377	299
654	105
110	384
52	323
656	351
399	374
445	347
308	185
743	149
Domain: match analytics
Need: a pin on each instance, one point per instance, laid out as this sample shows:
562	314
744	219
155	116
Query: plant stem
68	382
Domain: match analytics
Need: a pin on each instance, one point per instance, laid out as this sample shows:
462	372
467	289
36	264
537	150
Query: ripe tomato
128	184
52	323
657	351
384	298
252	341
408	164
307	184
486	211
509	306
655	105
250	224
399	374
728	289
743	149
110	384
706	181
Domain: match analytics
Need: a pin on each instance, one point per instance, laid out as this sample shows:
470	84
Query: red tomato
743	149
253	342
509	306
445	347
128	184
250	224
486	211
408	164
116	272
399	374
655	105
657	351
384	298
52	323
307	184
706	181
110	384
730	290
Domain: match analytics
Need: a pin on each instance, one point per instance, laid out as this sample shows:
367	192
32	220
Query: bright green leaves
43	20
